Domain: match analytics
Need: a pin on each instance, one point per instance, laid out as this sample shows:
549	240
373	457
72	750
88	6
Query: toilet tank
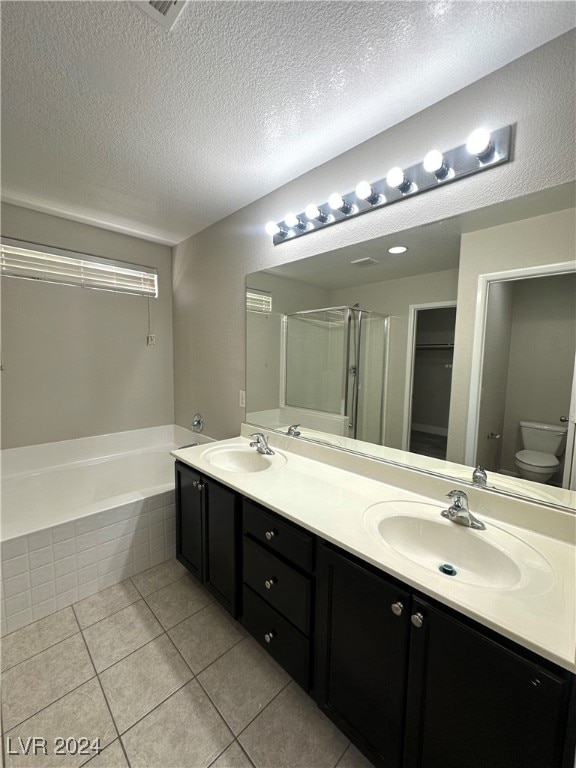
545	438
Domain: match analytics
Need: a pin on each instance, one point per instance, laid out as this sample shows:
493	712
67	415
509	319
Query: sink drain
447	569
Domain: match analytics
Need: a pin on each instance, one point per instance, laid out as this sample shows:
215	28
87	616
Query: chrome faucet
459	513
261	444
293	430
479	477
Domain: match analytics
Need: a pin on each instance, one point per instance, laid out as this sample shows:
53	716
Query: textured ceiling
108	118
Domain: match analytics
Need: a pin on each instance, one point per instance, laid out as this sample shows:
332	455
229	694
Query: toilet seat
536	459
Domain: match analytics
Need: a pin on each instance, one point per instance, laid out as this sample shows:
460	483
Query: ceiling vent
165	12
365	262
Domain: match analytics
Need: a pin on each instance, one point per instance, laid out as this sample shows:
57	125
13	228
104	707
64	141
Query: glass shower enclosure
335	363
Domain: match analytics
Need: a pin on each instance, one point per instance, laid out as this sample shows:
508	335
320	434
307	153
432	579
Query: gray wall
75	360
535	92
537	241
494	375
542	351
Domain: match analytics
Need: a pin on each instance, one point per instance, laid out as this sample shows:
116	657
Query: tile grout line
131	578
103	693
17	725
33	656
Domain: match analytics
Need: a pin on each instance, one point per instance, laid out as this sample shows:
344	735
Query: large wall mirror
456	352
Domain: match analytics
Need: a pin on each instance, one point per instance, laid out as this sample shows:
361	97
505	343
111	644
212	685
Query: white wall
536	93
75	360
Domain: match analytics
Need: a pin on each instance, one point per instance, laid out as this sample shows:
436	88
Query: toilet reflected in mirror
543	445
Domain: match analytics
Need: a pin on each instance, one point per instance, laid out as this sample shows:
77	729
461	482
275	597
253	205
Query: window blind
258	301
31	261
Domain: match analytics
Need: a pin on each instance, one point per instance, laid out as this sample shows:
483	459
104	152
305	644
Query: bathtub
80	515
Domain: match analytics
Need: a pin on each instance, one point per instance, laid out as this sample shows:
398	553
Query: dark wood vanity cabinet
413	684
207	534
473	701
277	589
415	687
362	654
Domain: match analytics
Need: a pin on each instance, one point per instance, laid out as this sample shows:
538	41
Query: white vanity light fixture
483	150
435	163
397	249
397	179
365	191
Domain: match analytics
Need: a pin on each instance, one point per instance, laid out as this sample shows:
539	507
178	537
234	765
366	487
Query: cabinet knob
195	483
417	619
397	608
269	583
200	486
270	535
269	636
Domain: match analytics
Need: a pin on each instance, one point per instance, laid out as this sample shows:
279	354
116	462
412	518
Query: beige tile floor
164	678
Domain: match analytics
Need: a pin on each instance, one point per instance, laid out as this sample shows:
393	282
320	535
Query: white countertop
328	499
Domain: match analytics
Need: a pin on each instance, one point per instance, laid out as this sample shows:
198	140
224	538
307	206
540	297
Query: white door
569	479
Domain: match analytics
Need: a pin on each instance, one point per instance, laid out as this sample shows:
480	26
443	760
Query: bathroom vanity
324	559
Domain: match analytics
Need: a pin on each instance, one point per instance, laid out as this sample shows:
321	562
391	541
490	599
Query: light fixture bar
483	150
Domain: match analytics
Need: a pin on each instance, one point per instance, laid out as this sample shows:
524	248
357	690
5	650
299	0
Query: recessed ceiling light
398	249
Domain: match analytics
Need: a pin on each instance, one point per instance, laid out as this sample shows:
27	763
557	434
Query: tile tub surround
46	571
60	552
202	693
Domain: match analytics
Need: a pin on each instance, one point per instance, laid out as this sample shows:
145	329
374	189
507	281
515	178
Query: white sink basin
491	558
242	459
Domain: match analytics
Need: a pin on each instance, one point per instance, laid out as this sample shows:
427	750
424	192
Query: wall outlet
151	340
242	399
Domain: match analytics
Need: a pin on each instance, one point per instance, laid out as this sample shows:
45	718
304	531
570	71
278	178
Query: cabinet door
221	524
189	519
475	703
361	655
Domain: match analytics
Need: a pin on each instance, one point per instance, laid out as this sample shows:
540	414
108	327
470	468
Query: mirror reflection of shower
335	368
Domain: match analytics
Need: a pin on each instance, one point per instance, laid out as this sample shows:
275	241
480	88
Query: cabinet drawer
280	536
286	645
276	582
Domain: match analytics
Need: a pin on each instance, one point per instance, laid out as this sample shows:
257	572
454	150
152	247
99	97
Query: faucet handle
460	498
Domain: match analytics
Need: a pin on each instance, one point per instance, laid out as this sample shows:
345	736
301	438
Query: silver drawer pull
269	636
397	608
269	583
270	535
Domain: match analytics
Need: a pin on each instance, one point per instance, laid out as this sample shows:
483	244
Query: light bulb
291	220
272	228
397	249
479	143
315	214
365	192
433	161
335	201
397	178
